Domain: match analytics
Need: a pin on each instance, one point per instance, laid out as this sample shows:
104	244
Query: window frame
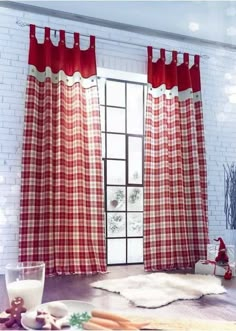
126	78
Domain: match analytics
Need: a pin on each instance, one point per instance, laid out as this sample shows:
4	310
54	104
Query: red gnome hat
222	244
222	257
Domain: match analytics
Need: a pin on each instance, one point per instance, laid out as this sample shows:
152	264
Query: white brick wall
219	114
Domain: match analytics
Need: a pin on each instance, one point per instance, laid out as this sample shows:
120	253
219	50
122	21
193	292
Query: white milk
29	290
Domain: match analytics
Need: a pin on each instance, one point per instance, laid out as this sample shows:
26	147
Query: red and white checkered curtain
61	219
175	198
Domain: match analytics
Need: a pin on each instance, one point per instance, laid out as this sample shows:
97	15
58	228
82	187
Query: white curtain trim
171	93
61	76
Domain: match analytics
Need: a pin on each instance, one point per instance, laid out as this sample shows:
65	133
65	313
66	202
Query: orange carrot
93	326
105	322
127	326
140	325
108	315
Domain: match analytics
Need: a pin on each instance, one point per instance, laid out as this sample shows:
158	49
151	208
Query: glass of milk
25	280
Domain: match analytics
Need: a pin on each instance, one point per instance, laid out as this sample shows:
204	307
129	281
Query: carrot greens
77	319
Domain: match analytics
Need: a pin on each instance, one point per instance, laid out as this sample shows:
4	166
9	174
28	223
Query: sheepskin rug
159	289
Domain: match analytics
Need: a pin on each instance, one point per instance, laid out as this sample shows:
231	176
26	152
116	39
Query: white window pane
135	224
105	220
103	145
115	146
145	98
134	108
115	120
116	224
102	116
115	172
115	94
135	198
135	250
116	251
115	198
101	90
135	160
103	169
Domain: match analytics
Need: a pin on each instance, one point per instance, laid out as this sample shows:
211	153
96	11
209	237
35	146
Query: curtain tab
62	37
47	34
149	50
76	39
186	58
32	31
196	60
92	41
163	54
174	56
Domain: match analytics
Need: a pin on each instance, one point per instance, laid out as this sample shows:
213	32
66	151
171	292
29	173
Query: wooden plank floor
77	287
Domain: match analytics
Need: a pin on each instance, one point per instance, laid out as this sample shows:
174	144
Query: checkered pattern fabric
61	219
175	195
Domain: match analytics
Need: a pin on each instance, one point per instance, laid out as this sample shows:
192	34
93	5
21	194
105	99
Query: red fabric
222	244
70	60
61	219
172	75
175	189
222	257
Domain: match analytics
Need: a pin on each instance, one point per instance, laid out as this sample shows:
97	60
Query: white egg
29	320
57	309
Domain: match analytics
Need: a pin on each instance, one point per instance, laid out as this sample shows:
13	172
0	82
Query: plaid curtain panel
175	186
61	220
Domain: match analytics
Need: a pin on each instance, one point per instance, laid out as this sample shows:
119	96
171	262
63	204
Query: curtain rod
23	24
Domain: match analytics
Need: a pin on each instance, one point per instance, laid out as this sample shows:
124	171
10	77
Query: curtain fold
175	186
61	219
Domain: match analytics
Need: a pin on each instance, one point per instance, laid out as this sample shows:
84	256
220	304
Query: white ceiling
216	19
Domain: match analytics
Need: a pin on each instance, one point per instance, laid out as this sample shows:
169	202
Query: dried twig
230	195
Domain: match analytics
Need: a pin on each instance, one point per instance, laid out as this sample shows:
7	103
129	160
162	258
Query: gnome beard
222	257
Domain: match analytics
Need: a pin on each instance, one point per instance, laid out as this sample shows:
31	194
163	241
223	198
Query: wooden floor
77	287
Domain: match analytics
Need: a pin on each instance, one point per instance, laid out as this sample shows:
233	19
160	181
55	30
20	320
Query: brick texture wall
218	77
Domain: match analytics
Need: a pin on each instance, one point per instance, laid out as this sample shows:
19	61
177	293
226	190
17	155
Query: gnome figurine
222	257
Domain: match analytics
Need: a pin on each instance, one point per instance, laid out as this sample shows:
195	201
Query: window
122	115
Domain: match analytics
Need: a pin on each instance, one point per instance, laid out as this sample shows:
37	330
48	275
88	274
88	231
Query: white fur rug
158	289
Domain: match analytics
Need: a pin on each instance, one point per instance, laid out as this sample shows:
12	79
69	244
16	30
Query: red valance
171	74
60	57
